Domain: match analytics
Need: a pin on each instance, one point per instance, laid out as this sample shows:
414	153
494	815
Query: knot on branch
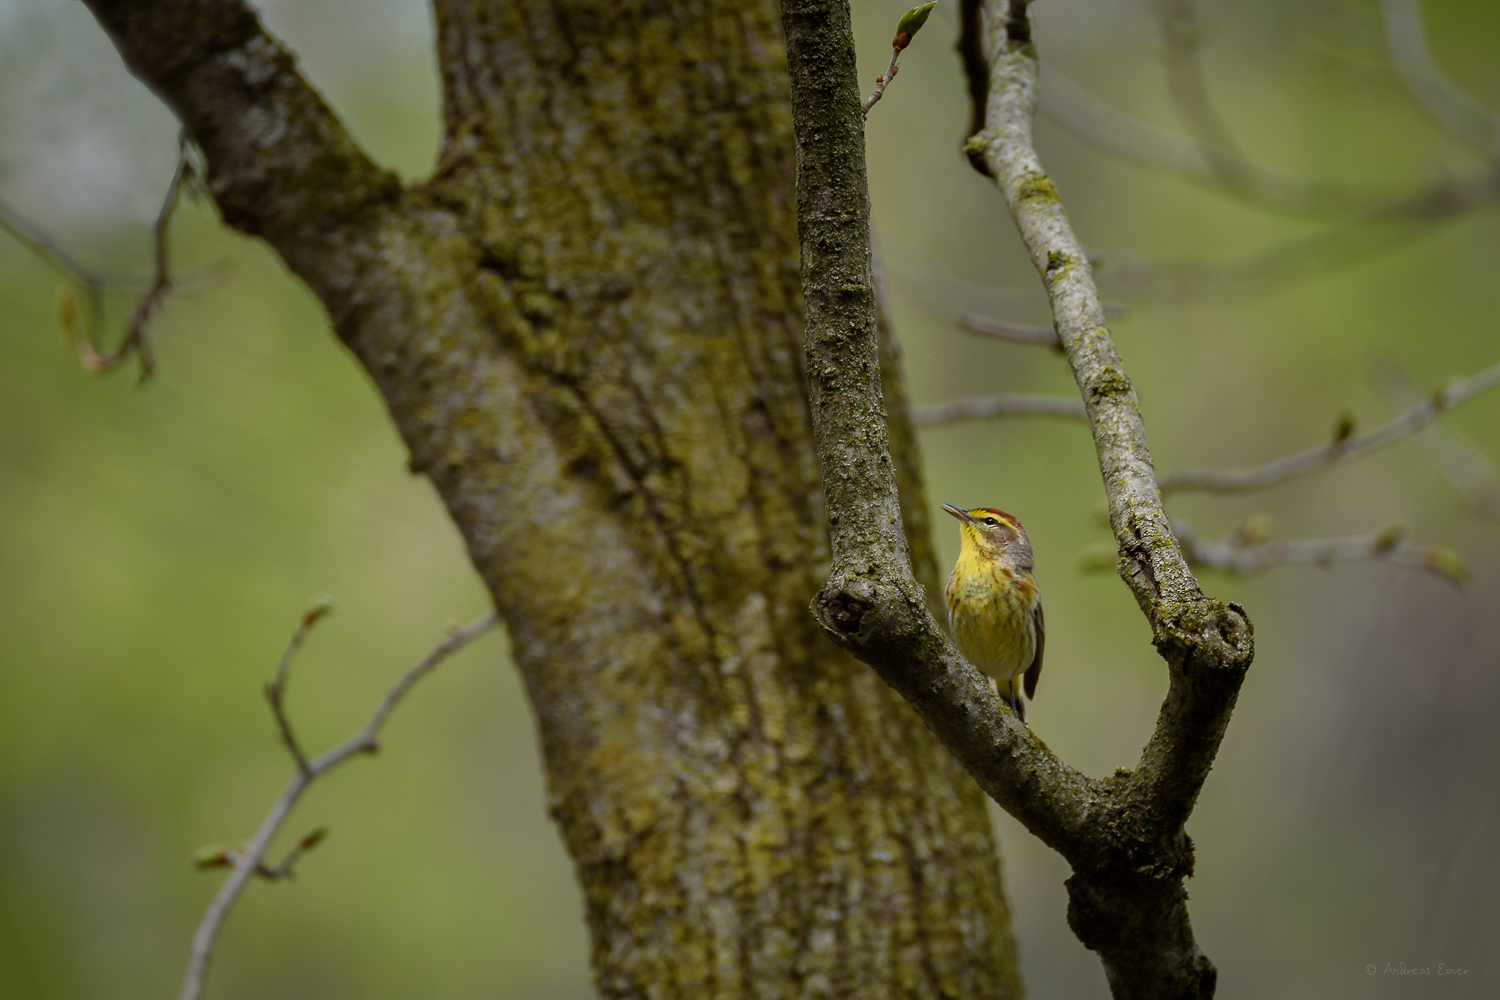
1208	638
842	612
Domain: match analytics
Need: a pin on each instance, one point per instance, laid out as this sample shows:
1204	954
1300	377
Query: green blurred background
157	544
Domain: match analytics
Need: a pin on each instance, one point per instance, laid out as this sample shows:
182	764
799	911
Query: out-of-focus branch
249	861
1244	552
991	407
1377	232
135	340
1463	115
1343	447
276	687
1454	457
1135	141
995	329
1381	220
1188	87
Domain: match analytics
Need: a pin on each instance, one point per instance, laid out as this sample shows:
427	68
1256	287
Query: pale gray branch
1018	333
990	407
1463	115
1449	452
1227	172
1272	473
249	861
1232	554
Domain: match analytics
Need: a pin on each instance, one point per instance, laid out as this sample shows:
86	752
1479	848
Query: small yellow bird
994	607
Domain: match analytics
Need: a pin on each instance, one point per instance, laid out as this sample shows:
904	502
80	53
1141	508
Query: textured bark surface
587	329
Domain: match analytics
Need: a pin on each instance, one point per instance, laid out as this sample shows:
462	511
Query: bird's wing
1035	670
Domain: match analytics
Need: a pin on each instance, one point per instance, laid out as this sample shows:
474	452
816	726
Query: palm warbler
994	607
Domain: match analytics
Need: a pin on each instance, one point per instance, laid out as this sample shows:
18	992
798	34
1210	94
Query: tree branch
249	861
1137	923
1342	448
1016	333
1449	452
990	407
1463	115
1242	552
871	604
1123	836
1212	158
1134	141
135	340
1385	228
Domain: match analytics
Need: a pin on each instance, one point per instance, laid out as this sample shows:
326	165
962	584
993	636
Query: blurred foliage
158	544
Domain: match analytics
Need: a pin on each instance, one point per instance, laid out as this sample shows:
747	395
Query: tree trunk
587	328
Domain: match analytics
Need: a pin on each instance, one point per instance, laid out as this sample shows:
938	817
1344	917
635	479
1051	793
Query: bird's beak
958	512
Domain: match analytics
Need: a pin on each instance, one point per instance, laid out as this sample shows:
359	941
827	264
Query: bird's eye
992	522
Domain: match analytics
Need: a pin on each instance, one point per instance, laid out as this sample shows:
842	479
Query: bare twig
1382	220
276	688
1454	457
1463	115
989	407
249	861
1136	141
1343	447
135	339
1245	552
881	82
94	285
42	246
911	22
1381	230
1018	333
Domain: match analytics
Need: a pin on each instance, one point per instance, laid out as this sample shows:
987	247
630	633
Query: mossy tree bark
587	328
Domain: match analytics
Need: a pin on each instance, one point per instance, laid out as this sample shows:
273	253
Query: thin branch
1235	553
1101	126
1340	449
135	340
249	862
1017	333
1212	157
906	29
276	688
991	407
881	82
1463	115
1381	230
1449	452
94	285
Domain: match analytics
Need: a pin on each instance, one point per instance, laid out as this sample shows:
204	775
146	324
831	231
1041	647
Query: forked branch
1123	836
250	861
135	340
